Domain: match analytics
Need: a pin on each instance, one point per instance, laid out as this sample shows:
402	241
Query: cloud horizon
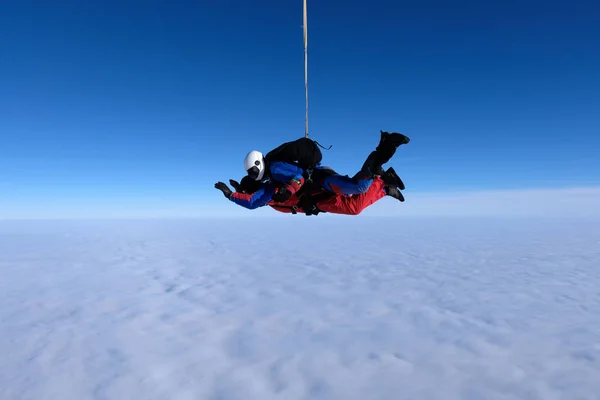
572	202
565	202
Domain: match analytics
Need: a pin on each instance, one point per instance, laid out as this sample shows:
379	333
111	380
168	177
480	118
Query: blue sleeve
258	199
284	172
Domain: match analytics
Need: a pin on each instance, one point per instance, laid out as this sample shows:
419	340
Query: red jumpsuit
339	204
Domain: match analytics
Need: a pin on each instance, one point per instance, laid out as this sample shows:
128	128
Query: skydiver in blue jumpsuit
285	169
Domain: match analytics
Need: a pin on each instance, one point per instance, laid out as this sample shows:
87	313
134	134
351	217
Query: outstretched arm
250	201
255	200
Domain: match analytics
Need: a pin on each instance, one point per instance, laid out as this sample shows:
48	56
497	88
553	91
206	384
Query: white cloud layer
351	309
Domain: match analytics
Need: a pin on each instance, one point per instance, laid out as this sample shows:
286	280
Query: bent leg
384	151
354	205
361	182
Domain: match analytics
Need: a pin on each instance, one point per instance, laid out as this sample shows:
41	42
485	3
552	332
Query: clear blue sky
114	104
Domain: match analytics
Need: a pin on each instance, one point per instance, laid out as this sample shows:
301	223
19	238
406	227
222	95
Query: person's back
302	152
287	166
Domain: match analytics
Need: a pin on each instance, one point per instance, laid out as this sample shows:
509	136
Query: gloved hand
224	188
282	195
236	186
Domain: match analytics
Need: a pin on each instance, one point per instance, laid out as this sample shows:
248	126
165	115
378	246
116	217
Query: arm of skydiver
288	174
255	200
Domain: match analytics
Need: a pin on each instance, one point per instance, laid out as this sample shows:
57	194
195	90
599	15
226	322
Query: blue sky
112	106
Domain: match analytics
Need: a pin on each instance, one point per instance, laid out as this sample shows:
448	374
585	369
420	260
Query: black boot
391	178
388	143
396	139
394	192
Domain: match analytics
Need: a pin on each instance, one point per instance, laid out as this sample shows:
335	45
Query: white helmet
254	164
